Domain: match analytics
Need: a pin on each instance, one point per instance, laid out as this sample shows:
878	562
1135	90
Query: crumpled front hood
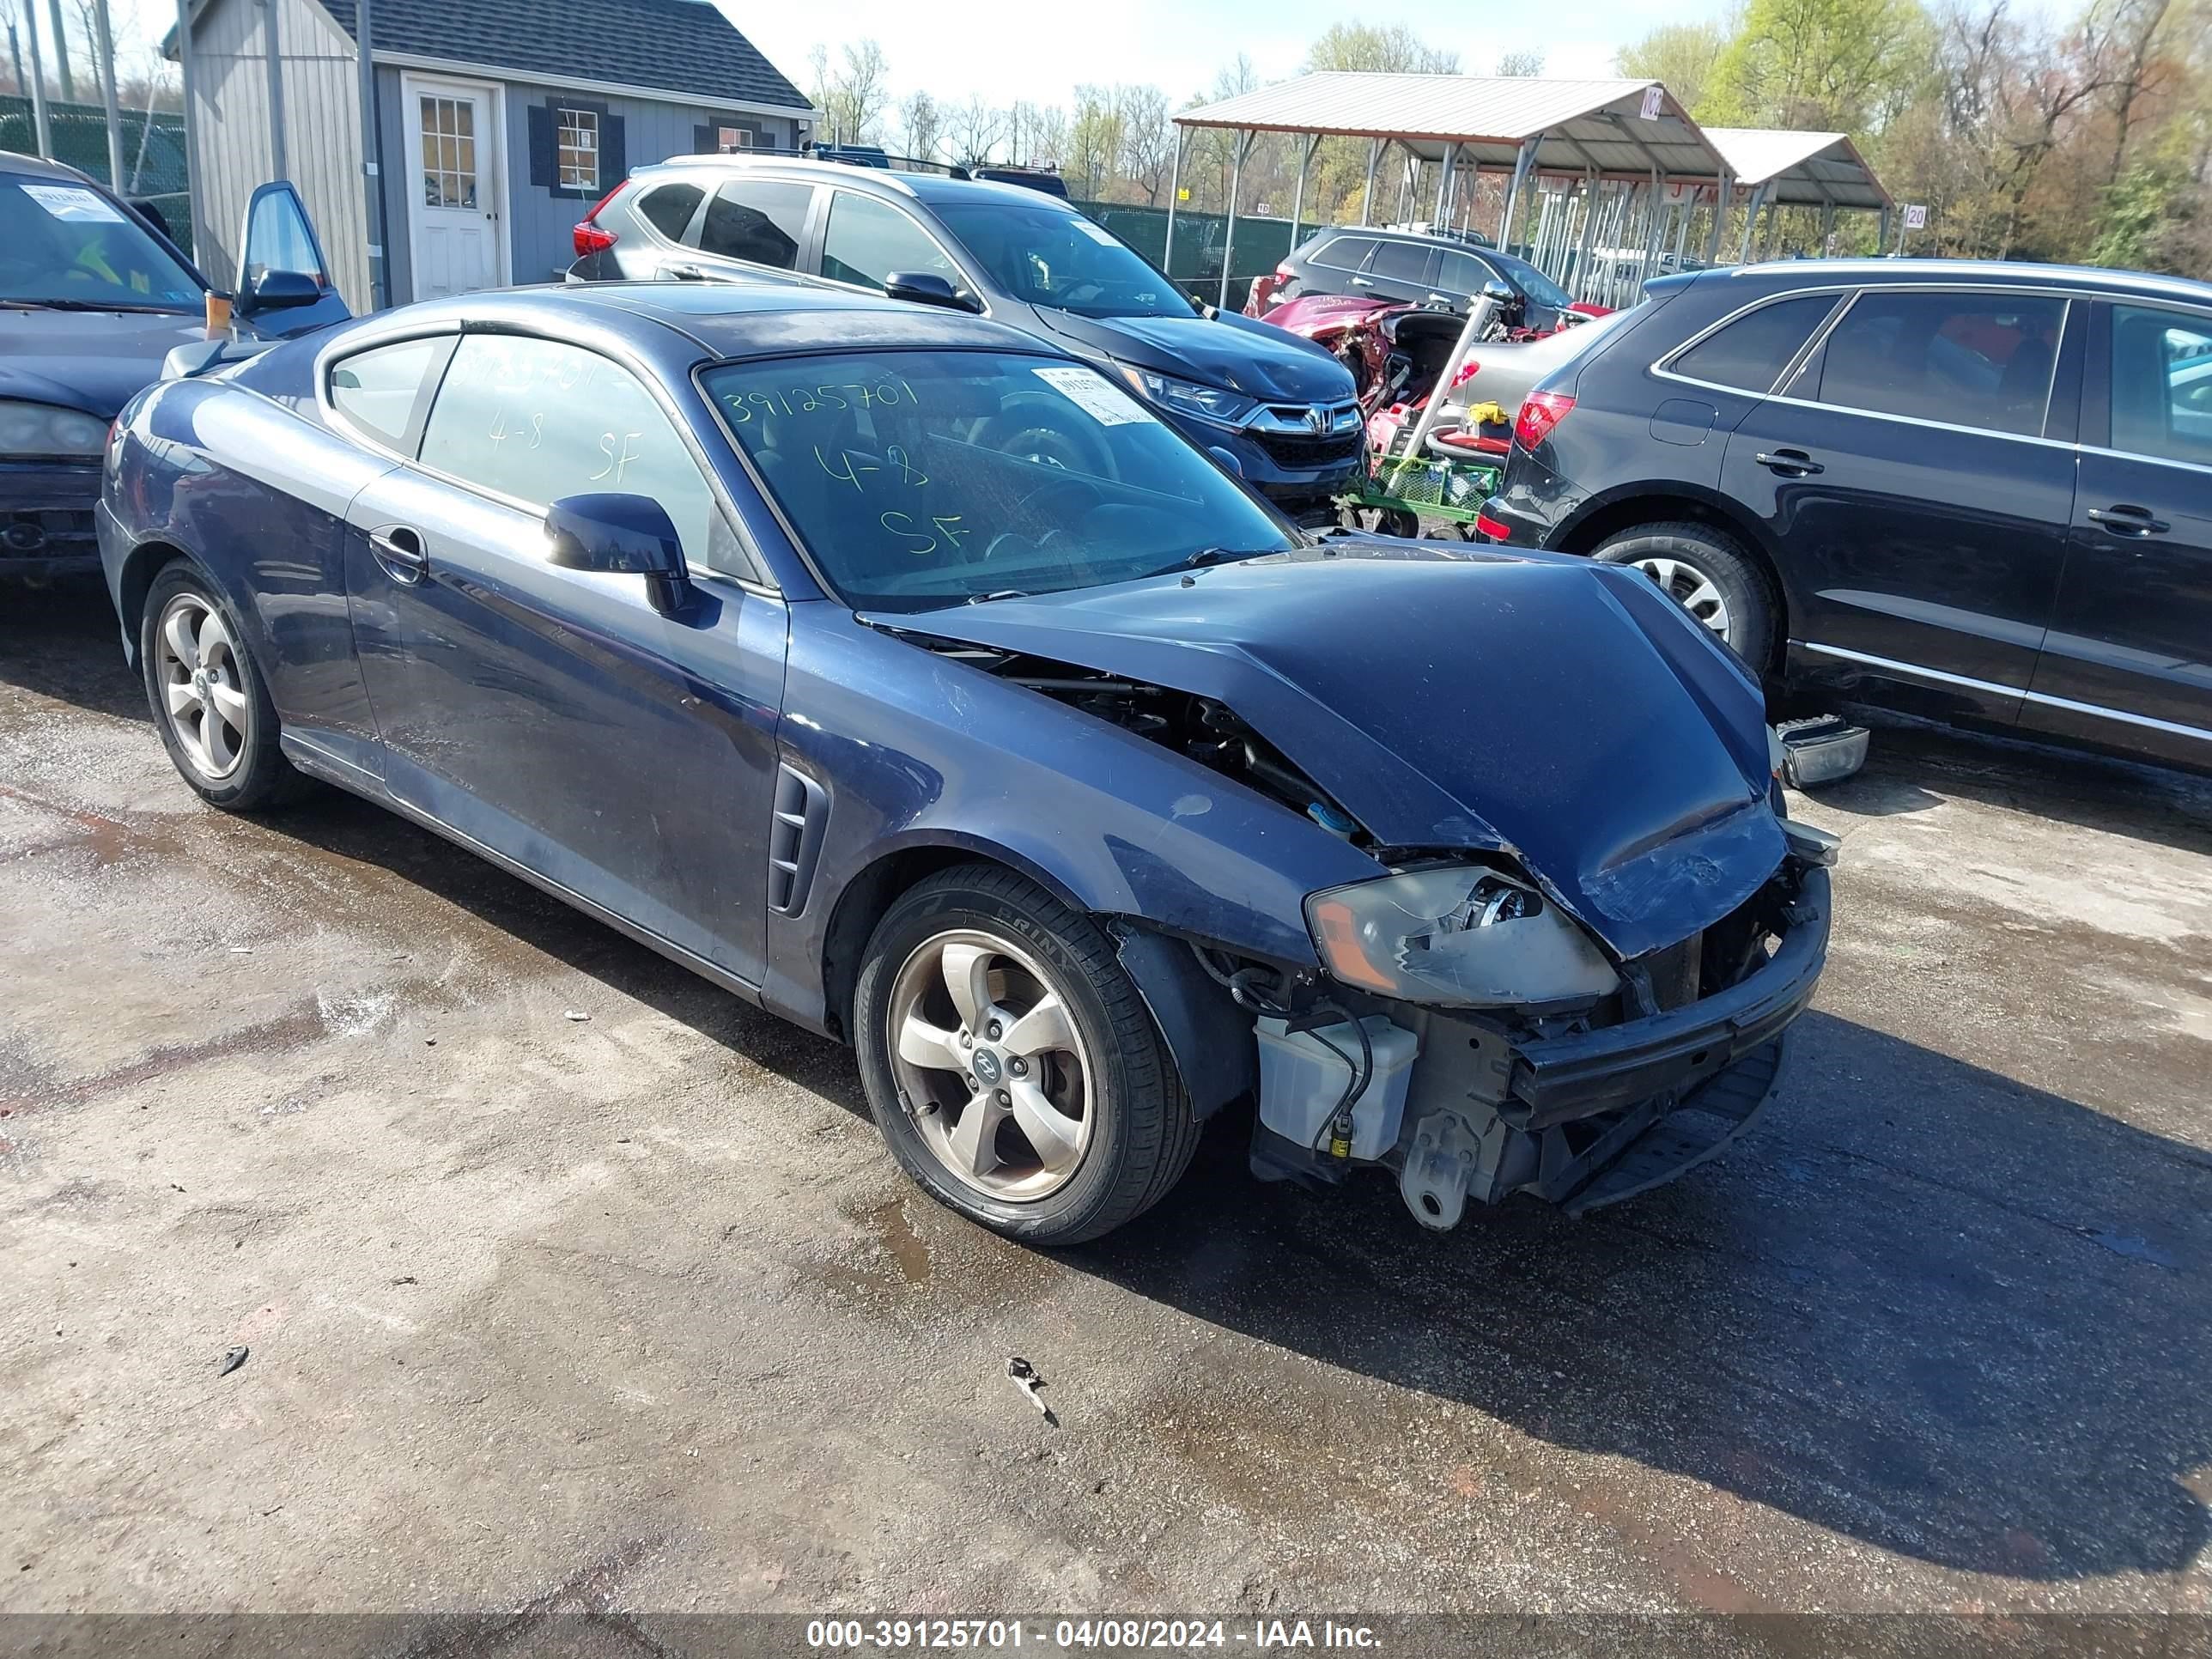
1255	358
1561	711
93	360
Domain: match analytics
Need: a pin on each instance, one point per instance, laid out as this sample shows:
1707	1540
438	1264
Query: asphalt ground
632	1312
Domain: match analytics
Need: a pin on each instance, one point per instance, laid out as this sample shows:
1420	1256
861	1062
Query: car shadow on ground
1922	1305
61	640
1911	767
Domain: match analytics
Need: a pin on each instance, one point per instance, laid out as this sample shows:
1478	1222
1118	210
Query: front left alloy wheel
208	697
1011	1064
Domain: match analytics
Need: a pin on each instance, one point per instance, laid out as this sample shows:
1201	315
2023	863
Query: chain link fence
153	153
1200	241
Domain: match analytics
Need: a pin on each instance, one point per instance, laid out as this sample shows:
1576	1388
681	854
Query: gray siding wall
539	222
322	131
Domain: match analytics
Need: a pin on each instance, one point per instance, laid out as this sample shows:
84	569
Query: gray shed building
499	122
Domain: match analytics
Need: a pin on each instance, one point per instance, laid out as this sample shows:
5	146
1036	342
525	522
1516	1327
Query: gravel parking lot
570	1282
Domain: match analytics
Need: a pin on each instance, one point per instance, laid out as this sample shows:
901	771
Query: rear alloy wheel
1011	1064
208	696
1709	574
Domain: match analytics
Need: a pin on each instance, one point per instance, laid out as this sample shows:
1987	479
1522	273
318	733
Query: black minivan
1978	492
1281	408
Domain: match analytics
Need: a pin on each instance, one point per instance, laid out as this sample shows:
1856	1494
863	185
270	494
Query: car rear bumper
46	526
1561	1079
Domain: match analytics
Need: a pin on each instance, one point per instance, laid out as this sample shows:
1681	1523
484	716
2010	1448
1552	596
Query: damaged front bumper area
1581	1113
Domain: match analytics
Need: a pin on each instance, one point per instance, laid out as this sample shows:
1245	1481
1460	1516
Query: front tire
209	700
1712	576
1011	1064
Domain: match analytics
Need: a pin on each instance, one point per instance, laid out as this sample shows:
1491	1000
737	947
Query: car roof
35	166
1782	274
1419	238
880	181
738	319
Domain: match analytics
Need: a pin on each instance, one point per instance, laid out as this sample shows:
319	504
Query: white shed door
454	212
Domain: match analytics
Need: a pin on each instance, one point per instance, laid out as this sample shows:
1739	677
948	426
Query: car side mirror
926	287
622	535
1498	292
277	290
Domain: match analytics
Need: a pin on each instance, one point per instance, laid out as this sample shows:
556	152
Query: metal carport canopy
1802	169
1576	125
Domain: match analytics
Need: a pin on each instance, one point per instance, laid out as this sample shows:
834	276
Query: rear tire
209	700
1712	576
1017	948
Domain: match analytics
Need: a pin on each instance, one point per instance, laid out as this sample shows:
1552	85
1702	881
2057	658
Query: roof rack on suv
854	155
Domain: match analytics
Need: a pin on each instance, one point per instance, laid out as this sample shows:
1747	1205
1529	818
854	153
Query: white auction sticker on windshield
75	202
1107	405
1103	237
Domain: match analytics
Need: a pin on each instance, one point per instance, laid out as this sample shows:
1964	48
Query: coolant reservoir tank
1302	1078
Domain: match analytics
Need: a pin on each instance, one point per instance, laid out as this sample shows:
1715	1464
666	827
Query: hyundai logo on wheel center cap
987	1065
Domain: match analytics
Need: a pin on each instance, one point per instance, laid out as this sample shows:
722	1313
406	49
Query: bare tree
1148	140
864	88
972	132
1520	63
920	123
1394	49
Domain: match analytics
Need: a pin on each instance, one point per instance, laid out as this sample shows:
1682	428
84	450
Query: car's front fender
923	760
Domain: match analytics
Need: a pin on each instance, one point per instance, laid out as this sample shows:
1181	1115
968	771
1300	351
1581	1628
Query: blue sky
1039	53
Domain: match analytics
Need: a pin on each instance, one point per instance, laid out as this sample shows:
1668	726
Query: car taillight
1495	529
1541	413
589	236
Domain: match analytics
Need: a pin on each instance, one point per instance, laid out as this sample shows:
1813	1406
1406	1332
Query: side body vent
794	841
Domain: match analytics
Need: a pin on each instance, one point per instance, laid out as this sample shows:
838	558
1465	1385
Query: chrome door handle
684	273
2123	520
399	551
1361	282
1789	463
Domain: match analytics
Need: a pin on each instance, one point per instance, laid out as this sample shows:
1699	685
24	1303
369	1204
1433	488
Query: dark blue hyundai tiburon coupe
1085	804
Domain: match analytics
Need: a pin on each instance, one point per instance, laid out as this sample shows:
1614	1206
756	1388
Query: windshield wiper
92	305
1206	555
997	594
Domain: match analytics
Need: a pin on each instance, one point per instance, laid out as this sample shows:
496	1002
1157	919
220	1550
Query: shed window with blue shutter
575	148
576	134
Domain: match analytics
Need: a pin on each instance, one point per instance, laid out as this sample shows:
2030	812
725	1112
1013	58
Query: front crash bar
1562	1078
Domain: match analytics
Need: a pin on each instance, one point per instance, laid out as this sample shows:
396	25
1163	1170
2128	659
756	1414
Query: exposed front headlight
1210	402
33	431
1463	936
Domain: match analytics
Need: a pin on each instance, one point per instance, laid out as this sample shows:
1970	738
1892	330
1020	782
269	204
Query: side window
1401	262
1749	352
1343	253
278	237
380	390
669	208
2162	384
1970	358
757	218
868	239
1462	273
537	420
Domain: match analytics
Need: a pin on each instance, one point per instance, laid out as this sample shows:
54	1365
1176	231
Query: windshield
62	243
1050	256
1532	282
919	479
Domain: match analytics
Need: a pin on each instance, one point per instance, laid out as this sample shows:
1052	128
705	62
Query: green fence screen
1201	239
153	153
